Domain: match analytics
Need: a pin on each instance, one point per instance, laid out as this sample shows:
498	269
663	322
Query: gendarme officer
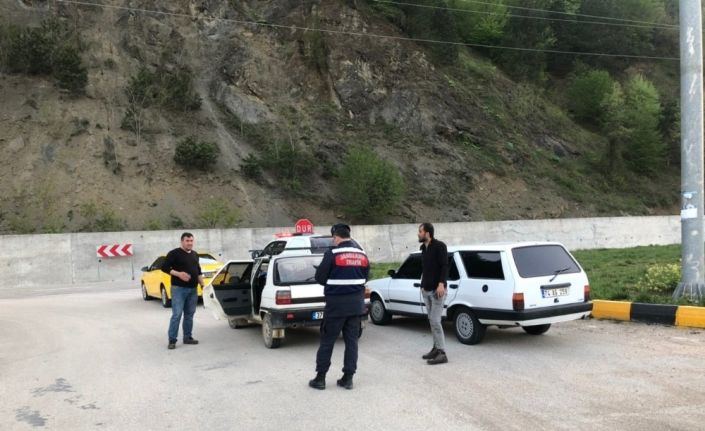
343	271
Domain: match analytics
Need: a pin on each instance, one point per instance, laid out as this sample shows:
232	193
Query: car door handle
417	284
453	286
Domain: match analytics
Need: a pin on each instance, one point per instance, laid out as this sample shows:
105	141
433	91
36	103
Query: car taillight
283	297
367	292
586	292
518	301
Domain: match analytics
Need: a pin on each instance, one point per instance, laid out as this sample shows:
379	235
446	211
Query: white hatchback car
530	285
278	292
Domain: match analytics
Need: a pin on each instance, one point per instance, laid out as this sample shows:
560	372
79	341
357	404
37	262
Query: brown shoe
440	358
190	341
432	354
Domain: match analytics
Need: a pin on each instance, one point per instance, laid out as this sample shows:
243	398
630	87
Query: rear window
543	260
205	258
483	264
296	270
321	244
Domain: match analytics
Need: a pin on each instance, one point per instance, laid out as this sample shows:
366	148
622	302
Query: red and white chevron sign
114	250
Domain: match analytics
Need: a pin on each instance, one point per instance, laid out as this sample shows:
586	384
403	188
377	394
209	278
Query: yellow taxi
157	284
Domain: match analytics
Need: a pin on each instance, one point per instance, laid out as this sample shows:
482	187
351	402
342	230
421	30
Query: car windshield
543	260
205	259
296	270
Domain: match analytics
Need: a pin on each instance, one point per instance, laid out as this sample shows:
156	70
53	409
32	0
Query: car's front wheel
145	296
536	329
378	312
166	302
268	333
468	329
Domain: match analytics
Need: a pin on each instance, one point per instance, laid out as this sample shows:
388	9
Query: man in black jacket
185	270
434	278
343	271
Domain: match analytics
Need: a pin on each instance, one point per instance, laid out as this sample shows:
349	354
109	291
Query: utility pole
692	283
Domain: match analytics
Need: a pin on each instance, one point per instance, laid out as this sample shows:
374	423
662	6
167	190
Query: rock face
267	81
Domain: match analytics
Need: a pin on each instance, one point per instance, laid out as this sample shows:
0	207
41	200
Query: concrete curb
677	315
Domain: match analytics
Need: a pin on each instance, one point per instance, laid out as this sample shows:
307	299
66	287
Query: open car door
229	295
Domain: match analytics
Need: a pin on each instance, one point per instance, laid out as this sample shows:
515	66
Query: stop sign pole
692	282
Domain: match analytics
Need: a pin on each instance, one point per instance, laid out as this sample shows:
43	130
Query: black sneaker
346	381
440	358
190	341
171	346
432	354
319	382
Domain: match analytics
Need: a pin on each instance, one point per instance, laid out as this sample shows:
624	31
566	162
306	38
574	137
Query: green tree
370	187
612	124
480	23
617	39
645	149
531	34
588	95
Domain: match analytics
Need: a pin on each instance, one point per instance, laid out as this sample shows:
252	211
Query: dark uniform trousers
342	313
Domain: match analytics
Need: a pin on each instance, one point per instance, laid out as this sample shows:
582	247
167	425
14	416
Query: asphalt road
96	358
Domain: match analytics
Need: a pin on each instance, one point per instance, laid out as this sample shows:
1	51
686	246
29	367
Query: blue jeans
183	300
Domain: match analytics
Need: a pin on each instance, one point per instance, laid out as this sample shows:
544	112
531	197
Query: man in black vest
343	271
183	266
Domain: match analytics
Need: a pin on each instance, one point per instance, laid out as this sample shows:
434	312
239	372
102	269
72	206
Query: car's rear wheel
145	296
378	312
536	329
468	330
166	302
268	333
238	323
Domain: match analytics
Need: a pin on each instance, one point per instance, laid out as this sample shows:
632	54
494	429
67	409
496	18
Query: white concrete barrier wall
60	259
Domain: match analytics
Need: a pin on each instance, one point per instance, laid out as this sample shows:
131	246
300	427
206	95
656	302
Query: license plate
552	293
317	315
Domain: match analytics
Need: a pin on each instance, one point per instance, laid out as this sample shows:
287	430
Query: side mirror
392	272
145	269
254	254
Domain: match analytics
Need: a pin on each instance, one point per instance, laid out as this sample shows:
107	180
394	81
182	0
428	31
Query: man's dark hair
342	231
427	227
338	225
186	235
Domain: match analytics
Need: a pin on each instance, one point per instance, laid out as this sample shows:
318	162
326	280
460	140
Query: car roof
497	246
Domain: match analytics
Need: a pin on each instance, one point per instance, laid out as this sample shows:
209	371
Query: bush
45	50
660	278
99	219
193	154
177	92
252	167
588	95
68	71
218	214
289	163
369	186
482	23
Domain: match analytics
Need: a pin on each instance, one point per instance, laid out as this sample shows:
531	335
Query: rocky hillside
284	105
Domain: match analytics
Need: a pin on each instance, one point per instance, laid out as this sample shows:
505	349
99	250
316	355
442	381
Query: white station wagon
529	284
